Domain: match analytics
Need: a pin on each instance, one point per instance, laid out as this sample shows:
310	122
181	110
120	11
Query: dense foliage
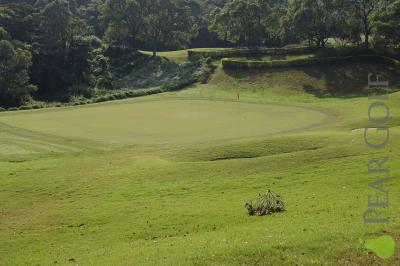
57	49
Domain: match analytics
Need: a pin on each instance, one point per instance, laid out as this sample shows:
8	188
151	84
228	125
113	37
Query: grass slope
183	203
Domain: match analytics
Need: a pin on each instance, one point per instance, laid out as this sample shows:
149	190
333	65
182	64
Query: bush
236	64
238	52
13	109
78	91
101	99
178	84
37	106
204	71
343	51
265	204
26	107
2	109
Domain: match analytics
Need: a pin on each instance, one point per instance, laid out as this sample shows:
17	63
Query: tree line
280	22
58	48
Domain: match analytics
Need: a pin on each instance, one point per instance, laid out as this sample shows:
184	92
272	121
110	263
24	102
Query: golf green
167	121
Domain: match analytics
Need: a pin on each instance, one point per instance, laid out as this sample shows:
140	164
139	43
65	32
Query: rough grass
183	203
142	71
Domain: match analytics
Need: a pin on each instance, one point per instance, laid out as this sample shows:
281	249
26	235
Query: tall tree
240	21
288	27
271	20
168	24
364	12
387	24
125	19
315	20
15	86
348	29
56	28
51	50
64	52
20	20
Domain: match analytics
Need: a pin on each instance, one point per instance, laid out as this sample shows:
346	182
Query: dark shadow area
350	80
238	73
340	80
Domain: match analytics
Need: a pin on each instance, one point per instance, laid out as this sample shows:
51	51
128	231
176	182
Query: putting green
166	121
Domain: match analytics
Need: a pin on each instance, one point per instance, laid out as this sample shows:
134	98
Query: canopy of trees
14	79
57	48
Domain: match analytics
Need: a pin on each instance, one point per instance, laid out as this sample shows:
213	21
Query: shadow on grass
340	80
350	80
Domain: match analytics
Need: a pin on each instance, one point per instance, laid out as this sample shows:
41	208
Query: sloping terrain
177	202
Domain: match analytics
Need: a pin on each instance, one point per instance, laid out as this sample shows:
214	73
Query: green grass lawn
168	121
163	179
176	56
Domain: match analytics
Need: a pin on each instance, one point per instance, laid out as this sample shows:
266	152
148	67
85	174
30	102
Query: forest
58	49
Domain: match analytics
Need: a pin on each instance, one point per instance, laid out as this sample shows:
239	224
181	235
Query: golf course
163	179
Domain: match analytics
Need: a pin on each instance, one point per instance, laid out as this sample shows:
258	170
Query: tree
203	13
15	86
64	53
125	19
51	48
91	12
273	10
56	28
168	24
289	32
240	22
4	35
348	29
364	12
387	24
315	20
20	20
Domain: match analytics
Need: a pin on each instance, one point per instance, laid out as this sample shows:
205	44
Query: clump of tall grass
265	204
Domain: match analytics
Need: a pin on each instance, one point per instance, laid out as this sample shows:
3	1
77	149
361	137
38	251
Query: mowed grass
172	202
167	121
176	56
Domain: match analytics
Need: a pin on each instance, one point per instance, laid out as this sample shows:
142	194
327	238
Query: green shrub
98	100
239	52
2	109
343	51
37	106
13	109
122	95
80	91
236	64
178	84
204	71
265	204
26	107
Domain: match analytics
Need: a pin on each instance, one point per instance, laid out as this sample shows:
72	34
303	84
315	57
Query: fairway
168	121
